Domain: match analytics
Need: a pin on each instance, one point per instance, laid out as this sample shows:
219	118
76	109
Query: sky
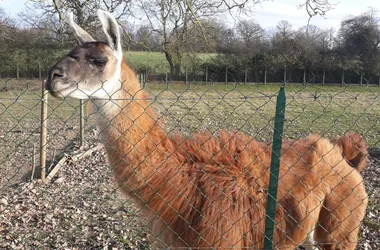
269	13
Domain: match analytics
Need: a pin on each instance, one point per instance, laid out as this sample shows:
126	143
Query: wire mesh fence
188	166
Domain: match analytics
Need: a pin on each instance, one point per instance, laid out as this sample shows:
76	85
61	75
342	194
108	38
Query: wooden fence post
206	74
226	76
324	77
43	141
33	162
361	79
82	121
39	70
265	74
304	77
245	76
185	75
17	71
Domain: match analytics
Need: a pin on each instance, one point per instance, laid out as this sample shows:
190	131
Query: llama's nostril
56	73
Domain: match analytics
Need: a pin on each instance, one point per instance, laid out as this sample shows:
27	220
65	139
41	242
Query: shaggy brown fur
354	150
210	191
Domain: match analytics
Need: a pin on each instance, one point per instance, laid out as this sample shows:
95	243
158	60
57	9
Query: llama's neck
129	129
126	112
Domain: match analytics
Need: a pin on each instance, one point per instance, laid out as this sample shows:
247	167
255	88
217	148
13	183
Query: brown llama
354	150
209	191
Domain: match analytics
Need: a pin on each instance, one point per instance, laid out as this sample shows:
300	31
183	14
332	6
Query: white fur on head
81	35
111	29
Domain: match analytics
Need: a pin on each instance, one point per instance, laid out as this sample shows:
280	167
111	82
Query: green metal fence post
274	169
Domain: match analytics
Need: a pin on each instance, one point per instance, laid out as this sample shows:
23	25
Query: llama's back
354	150
228	175
223	194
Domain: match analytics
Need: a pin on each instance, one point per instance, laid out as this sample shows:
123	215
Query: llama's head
92	69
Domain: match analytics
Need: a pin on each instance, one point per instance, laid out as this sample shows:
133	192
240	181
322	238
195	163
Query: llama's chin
69	92
56	94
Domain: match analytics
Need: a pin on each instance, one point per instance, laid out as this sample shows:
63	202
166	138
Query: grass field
156	62
329	111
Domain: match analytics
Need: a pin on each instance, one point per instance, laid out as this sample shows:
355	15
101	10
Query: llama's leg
342	212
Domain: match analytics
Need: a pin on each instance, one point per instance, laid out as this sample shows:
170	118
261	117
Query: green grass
328	111
153	60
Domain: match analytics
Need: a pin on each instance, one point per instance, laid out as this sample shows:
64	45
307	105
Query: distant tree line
30	43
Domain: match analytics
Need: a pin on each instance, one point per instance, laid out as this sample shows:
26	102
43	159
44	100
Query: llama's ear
80	34
111	29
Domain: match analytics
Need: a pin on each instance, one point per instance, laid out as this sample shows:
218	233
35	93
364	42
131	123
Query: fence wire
197	177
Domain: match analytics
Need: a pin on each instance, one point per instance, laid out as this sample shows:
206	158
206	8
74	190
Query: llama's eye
74	56
99	62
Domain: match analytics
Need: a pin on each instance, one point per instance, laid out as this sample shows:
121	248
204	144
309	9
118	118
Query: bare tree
176	20
359	36
317	7
54	13
175	23
250	31
7	26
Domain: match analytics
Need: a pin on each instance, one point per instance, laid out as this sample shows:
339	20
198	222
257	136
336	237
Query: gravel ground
81	209
370	230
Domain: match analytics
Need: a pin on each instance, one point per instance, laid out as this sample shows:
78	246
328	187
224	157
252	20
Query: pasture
156	62
84	209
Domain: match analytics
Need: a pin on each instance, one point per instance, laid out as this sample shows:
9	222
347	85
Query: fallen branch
79	156
73	158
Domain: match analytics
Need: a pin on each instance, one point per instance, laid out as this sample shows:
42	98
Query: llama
354	149
206	190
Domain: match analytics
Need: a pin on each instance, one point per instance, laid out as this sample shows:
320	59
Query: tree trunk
175	66
265	75
245	76
323	77
342	83
171	64
285	74
177	71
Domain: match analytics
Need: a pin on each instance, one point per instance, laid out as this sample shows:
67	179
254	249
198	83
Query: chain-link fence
191	165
